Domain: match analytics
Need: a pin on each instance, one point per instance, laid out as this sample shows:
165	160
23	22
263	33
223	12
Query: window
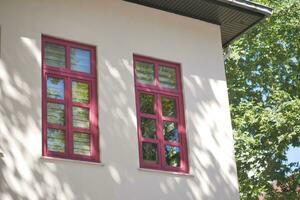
160	115
70	113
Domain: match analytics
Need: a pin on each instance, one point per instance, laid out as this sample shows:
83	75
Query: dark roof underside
234	16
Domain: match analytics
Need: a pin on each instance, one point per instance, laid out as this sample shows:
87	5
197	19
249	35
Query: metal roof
234	16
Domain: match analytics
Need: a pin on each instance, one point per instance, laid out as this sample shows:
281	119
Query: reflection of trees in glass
171	131
81	117
81	144
168	107
150	152
146	103
148	128
144	72
55	88
172	156
80	92
55	140
56	113
81	60
55	55
167	77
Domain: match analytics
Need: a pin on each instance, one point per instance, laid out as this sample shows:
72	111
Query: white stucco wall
118	29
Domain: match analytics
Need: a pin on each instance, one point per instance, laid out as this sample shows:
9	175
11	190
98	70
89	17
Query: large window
70	113
160	115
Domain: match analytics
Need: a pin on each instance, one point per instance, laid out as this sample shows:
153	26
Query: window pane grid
169	119
83	130
62	56
55	126
83	72
68	73
56	101
156	90
81	105
170	129
148	116
149	140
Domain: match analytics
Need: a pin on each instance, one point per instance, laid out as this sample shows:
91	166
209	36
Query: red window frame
69	75
159	91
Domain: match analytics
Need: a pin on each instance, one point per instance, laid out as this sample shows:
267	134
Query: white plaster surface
118	29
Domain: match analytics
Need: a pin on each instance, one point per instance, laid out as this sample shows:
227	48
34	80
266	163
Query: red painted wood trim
69	75
157	91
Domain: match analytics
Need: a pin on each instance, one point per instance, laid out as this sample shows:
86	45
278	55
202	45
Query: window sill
167	172
46	158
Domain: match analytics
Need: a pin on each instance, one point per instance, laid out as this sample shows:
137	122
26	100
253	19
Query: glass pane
172	155
148	128
81	60
80	92
55	55
82	144
150	152
146	103
167	77
144	72
55	140
168	107
171	131
55	88
81	117
56	113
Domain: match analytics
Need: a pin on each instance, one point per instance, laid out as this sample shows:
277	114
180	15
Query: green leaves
263	74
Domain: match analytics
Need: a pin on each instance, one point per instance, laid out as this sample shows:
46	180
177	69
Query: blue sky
293	154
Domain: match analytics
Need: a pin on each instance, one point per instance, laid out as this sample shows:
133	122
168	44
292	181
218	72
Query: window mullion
159	130
69	105
69	138
156	75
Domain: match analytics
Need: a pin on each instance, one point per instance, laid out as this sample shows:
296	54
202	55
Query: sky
293	154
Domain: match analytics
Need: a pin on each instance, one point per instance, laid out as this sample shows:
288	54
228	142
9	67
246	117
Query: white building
118	100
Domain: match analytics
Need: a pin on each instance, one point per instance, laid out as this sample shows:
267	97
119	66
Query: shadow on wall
24	176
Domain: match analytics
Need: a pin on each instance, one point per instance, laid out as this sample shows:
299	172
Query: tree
263	73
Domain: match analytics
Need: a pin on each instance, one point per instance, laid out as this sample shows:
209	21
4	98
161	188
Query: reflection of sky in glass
81	60
172	149
173	156
55	88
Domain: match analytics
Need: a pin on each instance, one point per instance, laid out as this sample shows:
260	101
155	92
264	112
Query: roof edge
251	6
241	33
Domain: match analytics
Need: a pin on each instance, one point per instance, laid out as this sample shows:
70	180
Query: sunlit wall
118	29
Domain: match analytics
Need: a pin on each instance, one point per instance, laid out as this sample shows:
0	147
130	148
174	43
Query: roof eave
254	7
